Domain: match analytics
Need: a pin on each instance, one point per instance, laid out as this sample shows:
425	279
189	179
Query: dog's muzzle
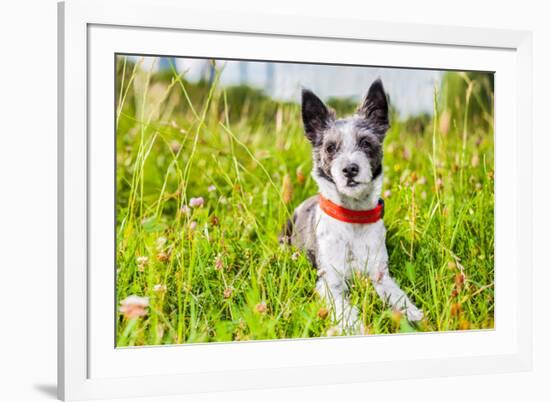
351	171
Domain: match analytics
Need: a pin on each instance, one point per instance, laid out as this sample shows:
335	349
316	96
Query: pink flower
192	225
218	263
211	188
196	202
134	306
175	146
260	308
185	210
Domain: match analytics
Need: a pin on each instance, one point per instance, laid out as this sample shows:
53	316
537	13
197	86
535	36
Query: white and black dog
341	228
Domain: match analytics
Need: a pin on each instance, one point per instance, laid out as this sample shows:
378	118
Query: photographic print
273	200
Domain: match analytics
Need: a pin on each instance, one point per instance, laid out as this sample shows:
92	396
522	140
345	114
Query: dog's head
347	153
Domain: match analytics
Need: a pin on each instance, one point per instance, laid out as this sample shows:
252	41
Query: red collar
350	215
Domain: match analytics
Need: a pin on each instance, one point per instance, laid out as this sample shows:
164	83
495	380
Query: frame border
74	16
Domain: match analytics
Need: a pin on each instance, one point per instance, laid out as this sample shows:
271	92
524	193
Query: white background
28	200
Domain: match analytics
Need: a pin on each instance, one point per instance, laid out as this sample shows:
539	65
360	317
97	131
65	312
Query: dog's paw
414	314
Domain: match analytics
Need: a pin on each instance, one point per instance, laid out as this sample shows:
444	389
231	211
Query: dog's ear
315	115
375	107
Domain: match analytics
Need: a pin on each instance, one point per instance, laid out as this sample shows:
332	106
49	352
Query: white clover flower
161	241
159	287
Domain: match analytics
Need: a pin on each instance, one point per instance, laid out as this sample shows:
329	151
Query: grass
217	272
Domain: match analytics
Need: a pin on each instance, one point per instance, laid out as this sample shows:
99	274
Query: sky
410	90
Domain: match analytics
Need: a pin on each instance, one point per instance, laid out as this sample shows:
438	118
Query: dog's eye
331	147
364	142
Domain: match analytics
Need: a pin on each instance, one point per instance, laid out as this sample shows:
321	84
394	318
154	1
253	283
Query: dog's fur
347	156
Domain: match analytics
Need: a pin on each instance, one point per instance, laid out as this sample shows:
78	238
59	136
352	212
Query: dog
341	229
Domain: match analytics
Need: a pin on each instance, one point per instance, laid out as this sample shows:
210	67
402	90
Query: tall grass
217	273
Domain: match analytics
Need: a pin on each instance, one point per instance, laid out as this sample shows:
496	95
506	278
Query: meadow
207	176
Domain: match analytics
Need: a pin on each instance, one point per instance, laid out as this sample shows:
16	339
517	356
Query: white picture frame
89	365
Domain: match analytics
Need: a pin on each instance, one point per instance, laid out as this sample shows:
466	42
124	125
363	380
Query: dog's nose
351	170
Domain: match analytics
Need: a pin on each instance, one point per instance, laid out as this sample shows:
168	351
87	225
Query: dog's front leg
331	286
388	290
